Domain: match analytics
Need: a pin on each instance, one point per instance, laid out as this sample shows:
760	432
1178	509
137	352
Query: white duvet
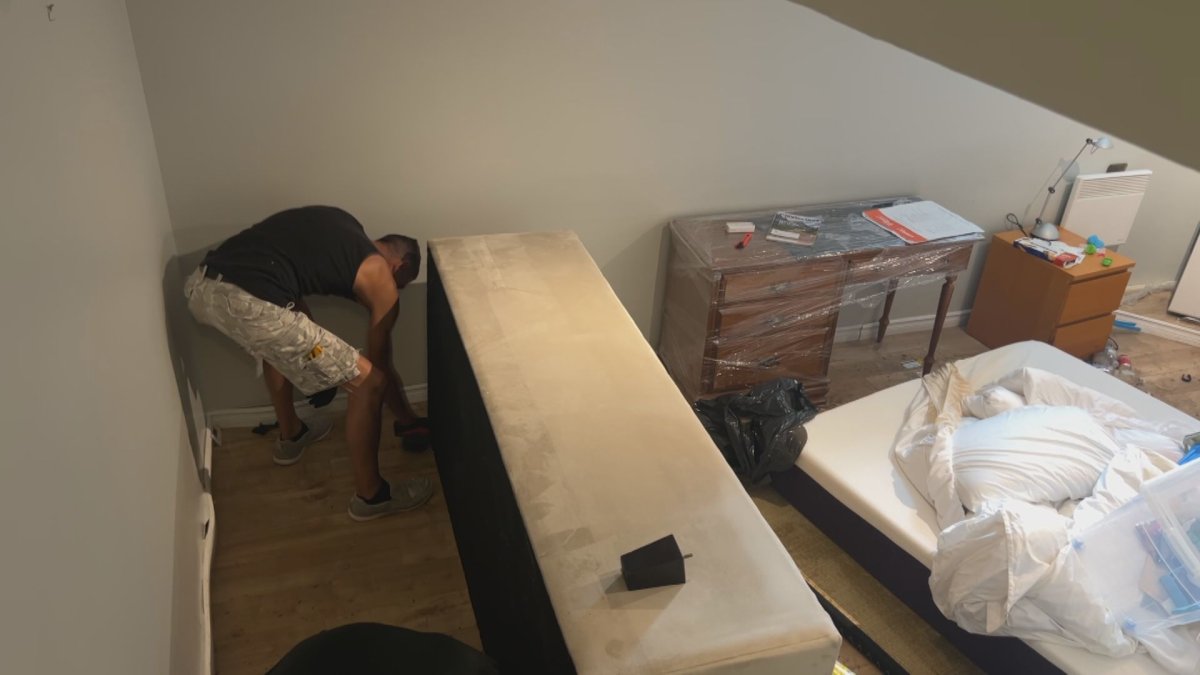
1013	469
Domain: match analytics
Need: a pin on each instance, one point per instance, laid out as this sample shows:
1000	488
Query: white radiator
1105	204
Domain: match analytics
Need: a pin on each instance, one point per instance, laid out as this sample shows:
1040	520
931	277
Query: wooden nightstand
1022	297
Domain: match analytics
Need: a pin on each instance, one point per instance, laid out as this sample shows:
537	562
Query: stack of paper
1058	253
794	228
919	222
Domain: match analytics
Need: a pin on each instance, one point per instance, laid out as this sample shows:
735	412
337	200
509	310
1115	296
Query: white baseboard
253	416
911	324
1163	329
209	533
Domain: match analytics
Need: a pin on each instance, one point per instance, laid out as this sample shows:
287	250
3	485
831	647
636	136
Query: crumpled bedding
1003	564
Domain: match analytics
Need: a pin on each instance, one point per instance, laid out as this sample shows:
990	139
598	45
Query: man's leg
294	434
374	497
281	399
363	407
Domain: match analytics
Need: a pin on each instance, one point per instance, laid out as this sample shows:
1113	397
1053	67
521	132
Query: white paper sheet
923	221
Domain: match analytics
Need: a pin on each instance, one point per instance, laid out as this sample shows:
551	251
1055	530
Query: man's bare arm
377	290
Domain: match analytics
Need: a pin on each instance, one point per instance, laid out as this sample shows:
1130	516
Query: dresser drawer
1084	338
1093	297
891	264
807	311
799	354
819	277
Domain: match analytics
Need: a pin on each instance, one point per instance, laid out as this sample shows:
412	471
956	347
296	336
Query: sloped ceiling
1127	68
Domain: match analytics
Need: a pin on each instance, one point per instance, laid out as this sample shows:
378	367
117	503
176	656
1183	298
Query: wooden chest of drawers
1022	297
735	318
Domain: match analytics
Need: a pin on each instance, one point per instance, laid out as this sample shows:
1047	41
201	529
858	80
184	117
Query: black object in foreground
759	432
378	649
658	563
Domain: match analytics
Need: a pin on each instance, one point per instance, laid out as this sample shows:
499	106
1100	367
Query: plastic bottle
1106	360
1125	371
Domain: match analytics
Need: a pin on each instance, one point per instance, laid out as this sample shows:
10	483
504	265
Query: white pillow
1037	454
991	401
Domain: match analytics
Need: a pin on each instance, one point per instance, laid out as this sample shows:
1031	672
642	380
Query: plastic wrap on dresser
737	315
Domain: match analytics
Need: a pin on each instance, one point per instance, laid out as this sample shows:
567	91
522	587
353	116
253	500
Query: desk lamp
1049	231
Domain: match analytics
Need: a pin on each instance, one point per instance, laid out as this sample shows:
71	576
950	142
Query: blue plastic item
1095	241
1128	325
1174	584
1192	453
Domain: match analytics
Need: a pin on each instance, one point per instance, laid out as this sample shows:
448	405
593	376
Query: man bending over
251	288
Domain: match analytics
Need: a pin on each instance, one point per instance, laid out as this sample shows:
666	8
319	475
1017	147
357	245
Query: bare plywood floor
289	562
1154	306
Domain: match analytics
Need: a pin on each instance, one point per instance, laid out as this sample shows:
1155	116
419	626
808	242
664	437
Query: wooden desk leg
943	305
887	309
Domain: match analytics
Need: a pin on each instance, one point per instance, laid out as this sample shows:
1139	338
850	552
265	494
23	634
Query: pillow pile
1037	453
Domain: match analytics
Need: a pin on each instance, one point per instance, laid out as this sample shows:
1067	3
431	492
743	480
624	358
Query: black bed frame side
902	574
516	621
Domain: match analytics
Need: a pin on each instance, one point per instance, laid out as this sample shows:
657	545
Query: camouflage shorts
310	357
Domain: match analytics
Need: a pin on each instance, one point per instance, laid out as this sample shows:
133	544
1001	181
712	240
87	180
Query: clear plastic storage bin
1143	560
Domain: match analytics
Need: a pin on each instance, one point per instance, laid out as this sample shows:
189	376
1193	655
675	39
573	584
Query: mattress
605	456
852	462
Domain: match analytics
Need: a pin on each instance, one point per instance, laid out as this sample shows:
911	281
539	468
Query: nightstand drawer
743	362
1084	338
823	278
1093	298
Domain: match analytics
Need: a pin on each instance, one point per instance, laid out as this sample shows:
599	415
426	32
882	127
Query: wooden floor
290	563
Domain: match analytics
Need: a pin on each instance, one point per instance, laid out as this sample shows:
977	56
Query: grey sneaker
290	452
406	495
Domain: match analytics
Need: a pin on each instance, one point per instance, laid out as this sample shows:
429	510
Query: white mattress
852	461
604	456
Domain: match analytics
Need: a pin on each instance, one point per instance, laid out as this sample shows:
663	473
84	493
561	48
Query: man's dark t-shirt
311	250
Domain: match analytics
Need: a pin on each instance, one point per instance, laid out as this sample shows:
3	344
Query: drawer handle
774	321
779	287
770	362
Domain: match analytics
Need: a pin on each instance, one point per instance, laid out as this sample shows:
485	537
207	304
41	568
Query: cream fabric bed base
852	462
604	456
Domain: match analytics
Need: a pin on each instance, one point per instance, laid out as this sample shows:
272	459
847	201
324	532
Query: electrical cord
1013	220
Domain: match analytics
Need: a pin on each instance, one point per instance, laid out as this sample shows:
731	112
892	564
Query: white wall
96	471
442	117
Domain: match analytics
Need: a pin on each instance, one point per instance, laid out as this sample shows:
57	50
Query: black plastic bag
760	431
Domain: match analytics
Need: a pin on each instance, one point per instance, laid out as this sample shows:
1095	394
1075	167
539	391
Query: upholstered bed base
902	574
